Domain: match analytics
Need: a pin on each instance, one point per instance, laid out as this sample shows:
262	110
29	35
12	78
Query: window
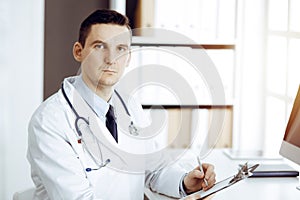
282	67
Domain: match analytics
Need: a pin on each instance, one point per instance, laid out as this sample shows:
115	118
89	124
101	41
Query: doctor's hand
194	180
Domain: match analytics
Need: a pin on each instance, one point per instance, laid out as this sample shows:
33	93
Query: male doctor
63	166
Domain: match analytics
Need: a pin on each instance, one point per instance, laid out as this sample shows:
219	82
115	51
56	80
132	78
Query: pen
201	170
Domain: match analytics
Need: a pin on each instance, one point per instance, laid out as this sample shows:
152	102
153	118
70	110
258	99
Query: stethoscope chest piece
133	130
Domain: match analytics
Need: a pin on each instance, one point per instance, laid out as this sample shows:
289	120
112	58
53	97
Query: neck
105	92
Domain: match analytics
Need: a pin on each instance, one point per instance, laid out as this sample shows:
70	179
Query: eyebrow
96	42
100	41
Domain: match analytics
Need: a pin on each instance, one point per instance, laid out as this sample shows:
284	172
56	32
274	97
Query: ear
77	51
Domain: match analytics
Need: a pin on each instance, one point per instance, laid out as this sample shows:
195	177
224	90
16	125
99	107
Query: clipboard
243	173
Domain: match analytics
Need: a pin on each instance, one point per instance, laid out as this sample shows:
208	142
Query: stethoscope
132	129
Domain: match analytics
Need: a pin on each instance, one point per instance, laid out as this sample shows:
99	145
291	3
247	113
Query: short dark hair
102	16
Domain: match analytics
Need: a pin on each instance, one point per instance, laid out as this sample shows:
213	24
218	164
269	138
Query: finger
196	173
202	171
211	178
209	175
208	167
209	171
211	181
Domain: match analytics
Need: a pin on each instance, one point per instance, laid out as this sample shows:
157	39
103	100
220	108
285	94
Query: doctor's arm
170	180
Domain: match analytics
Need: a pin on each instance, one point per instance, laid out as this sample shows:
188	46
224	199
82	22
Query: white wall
21	86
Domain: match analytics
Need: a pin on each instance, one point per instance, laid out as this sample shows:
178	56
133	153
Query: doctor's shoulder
50	115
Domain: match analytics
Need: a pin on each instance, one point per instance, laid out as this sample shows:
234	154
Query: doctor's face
105	55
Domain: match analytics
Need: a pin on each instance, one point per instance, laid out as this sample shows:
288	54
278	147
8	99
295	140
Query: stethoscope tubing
78	117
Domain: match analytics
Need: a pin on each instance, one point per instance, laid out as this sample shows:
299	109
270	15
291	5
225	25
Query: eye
100	46
122	48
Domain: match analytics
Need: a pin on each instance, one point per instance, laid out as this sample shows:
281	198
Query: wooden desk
251	188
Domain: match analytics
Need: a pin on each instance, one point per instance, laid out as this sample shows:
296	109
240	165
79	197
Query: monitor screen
290	147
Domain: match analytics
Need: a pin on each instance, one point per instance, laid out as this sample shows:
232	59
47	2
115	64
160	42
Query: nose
110	57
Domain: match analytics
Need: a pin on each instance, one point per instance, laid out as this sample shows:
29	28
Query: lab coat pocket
104	182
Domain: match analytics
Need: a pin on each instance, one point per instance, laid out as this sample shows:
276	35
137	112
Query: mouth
109	71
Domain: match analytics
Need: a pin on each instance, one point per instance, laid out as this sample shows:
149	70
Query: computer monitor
290	146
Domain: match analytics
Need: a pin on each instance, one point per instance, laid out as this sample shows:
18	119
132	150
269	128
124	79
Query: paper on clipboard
242	174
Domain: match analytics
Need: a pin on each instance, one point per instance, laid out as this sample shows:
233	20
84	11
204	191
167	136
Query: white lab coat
58	161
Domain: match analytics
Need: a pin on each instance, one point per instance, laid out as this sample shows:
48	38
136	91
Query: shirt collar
99	105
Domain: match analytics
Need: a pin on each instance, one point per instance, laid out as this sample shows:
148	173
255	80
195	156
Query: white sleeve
165	180
56	168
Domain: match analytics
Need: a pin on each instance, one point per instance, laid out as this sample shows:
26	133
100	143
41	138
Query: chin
108	82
